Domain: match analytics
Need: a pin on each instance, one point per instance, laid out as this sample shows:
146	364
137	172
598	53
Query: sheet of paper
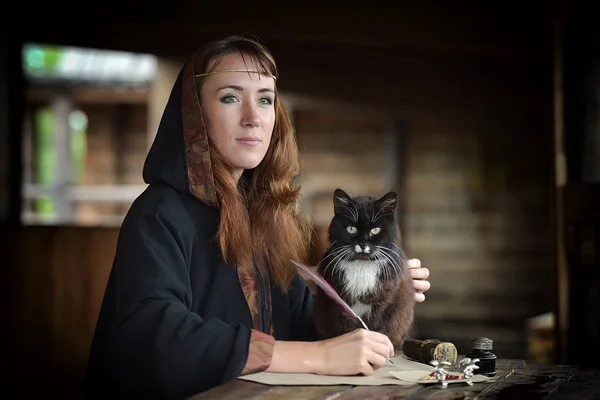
381	377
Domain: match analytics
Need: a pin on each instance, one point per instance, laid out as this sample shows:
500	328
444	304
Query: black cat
366	266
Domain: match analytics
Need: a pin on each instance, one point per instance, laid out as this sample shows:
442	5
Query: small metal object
460	365
467	367
440	372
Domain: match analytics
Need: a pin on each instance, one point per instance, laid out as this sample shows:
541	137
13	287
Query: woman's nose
250	117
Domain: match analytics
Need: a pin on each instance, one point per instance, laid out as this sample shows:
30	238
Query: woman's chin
248	163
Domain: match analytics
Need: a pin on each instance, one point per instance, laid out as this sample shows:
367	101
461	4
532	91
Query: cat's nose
363	249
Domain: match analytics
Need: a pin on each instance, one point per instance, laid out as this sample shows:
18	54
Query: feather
330	291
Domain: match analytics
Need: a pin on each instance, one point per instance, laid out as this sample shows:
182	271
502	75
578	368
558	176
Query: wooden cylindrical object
428	350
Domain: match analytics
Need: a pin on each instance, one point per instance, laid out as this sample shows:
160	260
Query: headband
234	70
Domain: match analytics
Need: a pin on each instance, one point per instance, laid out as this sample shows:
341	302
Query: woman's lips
249	141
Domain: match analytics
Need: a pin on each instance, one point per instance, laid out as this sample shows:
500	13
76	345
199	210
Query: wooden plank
531	381
515	379
379	392
428	241
459	30
583	385
445	213
61	276
240	389
237	389
491	281
305	392
504	368
582	242
353	123
327	163
88	95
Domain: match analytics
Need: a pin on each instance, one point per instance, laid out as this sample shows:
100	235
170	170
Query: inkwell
481	348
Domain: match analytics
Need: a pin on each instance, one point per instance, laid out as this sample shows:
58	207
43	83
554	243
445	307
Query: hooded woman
201	290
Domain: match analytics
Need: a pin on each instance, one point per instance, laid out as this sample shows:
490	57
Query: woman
201	289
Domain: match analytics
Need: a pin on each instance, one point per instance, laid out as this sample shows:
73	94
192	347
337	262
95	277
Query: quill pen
330	291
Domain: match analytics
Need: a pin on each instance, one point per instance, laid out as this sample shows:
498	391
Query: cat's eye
375	231
351	229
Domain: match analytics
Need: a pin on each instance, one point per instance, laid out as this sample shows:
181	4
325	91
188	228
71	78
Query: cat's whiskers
389	266
333	256
382	264
394	264
401	254
340	259
396	245
395	252
337	250
328	247
336	254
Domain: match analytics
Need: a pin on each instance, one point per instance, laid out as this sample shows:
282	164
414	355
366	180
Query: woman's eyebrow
241	89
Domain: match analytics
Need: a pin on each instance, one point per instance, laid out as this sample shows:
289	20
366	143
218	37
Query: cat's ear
341	200
387	203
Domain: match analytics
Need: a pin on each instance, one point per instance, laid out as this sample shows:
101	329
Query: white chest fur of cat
360	278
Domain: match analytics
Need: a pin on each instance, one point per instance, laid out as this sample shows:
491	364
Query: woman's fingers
376	360
414	263
419	297
422	286
381	339
419	275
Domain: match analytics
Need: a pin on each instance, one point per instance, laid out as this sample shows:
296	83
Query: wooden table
517	379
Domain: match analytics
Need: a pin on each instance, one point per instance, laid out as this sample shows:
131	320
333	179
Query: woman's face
239	112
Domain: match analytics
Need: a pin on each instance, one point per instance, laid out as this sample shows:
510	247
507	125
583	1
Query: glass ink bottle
481	348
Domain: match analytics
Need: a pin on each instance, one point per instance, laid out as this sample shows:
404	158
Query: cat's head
366	227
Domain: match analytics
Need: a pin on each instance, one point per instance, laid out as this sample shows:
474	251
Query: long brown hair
260	218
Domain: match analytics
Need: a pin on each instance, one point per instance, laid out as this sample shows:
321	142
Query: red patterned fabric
202	186
260	354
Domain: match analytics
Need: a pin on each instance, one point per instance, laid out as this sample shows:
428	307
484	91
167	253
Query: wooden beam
86	95
176	29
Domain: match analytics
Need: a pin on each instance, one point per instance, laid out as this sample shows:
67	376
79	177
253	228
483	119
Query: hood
179	155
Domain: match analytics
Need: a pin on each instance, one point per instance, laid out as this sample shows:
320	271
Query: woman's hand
357	352
419	276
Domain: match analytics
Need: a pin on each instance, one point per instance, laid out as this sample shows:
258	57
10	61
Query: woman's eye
266	101
351	229
375	231
228	99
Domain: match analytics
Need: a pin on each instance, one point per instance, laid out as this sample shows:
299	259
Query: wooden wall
343	148
59	284
474	165
477	215
474	209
